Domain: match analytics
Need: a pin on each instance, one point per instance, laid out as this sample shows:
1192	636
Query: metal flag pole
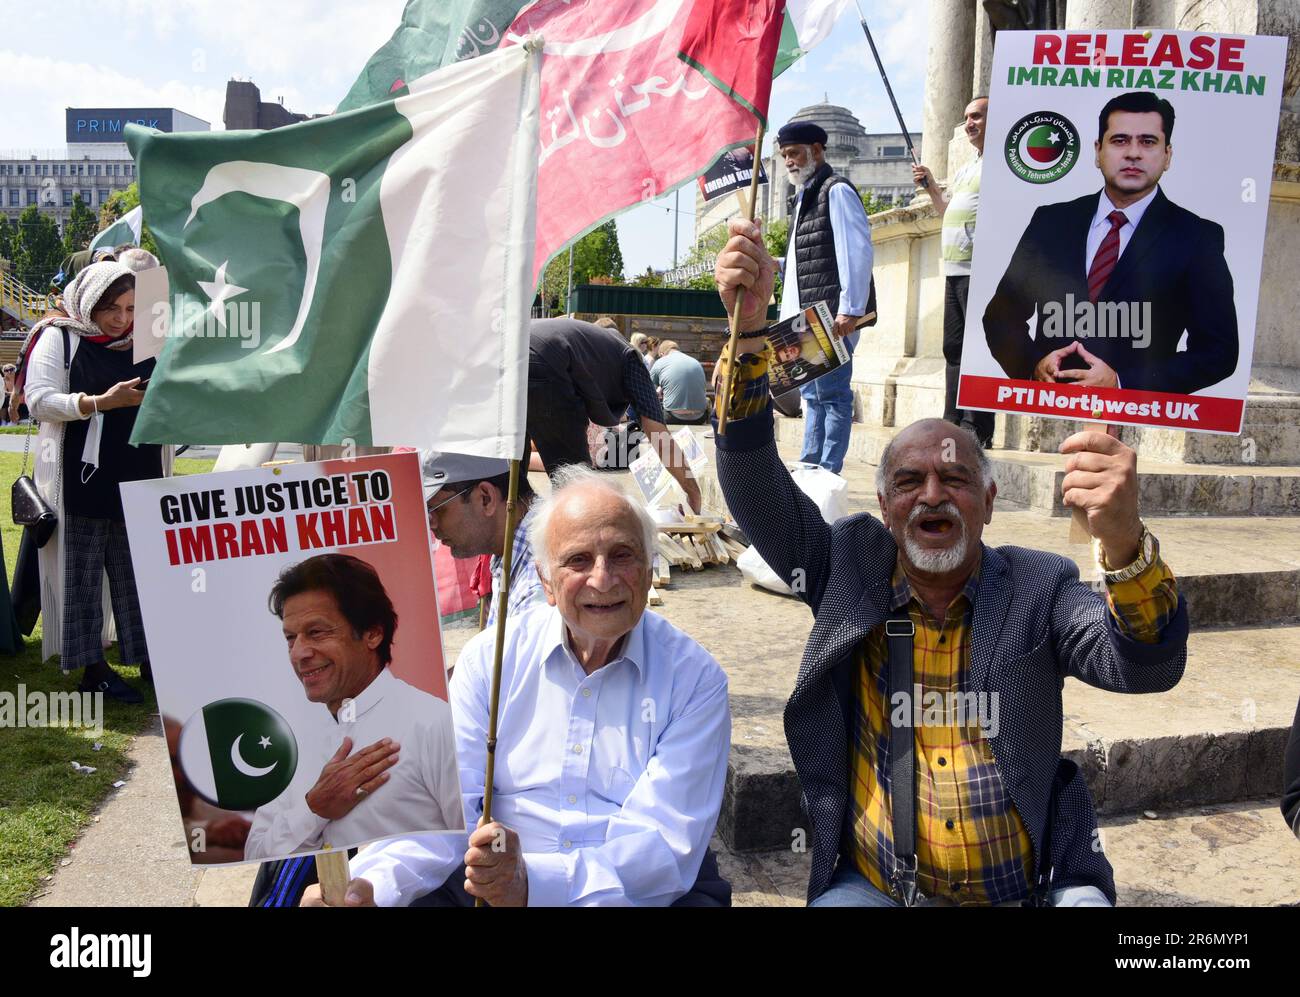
907	136
740	297
507	565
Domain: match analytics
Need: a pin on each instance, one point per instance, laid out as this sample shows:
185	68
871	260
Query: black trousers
557	420
955	292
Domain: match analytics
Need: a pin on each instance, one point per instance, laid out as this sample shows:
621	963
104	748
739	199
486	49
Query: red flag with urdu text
734	44
624	118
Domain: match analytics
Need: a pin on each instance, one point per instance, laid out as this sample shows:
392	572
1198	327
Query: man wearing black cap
829	259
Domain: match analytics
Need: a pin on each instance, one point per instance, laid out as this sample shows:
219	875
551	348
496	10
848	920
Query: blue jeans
849	888
828	415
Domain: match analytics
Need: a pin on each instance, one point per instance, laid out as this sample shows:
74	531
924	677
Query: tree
118	204
37	249
6	239
651	278
596	254
80	227
875	205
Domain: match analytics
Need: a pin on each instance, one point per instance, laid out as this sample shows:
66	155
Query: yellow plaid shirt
972	846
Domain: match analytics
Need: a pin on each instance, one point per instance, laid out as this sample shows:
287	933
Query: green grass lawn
44	803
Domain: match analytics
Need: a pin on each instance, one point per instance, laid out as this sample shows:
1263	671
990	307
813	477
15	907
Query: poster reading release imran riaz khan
1123	202
292	621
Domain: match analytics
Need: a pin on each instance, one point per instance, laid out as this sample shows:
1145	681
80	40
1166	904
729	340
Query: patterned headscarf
83	294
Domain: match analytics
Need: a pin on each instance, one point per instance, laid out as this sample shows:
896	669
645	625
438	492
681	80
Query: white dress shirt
422	792
853	255
613	781
1101	224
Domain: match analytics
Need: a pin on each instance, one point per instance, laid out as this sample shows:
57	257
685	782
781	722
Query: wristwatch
1148	551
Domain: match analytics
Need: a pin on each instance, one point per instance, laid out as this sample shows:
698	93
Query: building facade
876	163
95	163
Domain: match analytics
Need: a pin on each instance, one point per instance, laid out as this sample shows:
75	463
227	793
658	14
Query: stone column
983	74
949	66
1092	14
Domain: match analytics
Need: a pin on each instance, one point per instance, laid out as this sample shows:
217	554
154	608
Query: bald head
955	444
592	545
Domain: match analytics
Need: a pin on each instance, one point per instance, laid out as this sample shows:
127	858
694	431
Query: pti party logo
238	754
1042	147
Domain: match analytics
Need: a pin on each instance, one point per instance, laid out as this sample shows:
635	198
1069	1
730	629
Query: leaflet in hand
804	348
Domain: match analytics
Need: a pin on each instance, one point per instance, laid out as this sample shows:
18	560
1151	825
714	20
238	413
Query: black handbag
28	507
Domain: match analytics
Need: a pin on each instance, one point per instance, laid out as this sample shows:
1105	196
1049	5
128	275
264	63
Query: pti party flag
360	278
125	229
433	34
238	754
807	24
624	118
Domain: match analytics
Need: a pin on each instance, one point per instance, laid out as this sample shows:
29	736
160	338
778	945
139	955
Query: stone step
1225	855
1218	736
1032	478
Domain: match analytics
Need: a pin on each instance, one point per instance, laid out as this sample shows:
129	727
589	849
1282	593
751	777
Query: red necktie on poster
1107	256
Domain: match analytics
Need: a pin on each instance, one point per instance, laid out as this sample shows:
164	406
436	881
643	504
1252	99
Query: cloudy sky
180	53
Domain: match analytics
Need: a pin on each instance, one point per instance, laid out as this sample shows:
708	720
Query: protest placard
292	622
1123	202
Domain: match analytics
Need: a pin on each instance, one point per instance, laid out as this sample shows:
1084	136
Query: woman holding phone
84	389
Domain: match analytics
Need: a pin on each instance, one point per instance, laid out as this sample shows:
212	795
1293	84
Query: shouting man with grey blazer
936	662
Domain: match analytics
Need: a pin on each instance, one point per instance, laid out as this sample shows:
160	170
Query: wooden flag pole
507	559
332	872
740	295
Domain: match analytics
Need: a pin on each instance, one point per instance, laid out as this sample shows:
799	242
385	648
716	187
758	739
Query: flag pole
907	136
740	294
332	874
507	559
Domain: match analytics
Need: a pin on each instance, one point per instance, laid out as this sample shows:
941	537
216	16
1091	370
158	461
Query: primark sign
98	124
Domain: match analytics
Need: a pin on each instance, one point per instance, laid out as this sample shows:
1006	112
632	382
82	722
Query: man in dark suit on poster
1149	271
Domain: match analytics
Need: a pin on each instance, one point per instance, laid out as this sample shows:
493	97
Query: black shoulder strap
67	347
900	633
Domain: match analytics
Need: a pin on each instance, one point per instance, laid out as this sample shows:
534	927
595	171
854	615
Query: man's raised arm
781	521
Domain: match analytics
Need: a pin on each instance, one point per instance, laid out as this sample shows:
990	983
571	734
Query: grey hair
136	259
887	455
578	476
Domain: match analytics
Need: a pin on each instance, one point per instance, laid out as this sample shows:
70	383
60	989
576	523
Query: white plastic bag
828	491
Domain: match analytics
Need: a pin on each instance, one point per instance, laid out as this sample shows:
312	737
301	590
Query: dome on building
843	129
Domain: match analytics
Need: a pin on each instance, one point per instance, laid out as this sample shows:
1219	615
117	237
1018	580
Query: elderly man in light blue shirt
613	736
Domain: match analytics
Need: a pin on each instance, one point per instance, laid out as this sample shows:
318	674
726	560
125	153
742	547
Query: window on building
4	169
894	150
67	197
14	194
130	169
102	195
32	195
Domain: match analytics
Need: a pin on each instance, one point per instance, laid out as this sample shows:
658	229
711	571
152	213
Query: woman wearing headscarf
83	387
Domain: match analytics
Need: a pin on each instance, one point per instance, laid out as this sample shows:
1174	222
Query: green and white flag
433	34
125	229
238	754
807	24
361	278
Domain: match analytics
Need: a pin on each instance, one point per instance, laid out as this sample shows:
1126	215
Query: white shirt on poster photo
422	792
612	780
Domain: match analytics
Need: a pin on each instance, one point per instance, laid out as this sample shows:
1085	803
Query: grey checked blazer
1034	623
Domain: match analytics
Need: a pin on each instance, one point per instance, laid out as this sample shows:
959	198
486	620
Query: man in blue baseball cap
828	259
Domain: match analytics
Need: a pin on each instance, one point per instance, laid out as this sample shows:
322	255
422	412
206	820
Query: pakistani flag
807	24
433	34
238	754
125	229
360	278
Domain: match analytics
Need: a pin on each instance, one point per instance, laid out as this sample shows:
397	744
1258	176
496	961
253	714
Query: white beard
935	562
802	174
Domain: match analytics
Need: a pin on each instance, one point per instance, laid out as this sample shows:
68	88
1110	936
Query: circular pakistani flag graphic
238	754
1042	147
